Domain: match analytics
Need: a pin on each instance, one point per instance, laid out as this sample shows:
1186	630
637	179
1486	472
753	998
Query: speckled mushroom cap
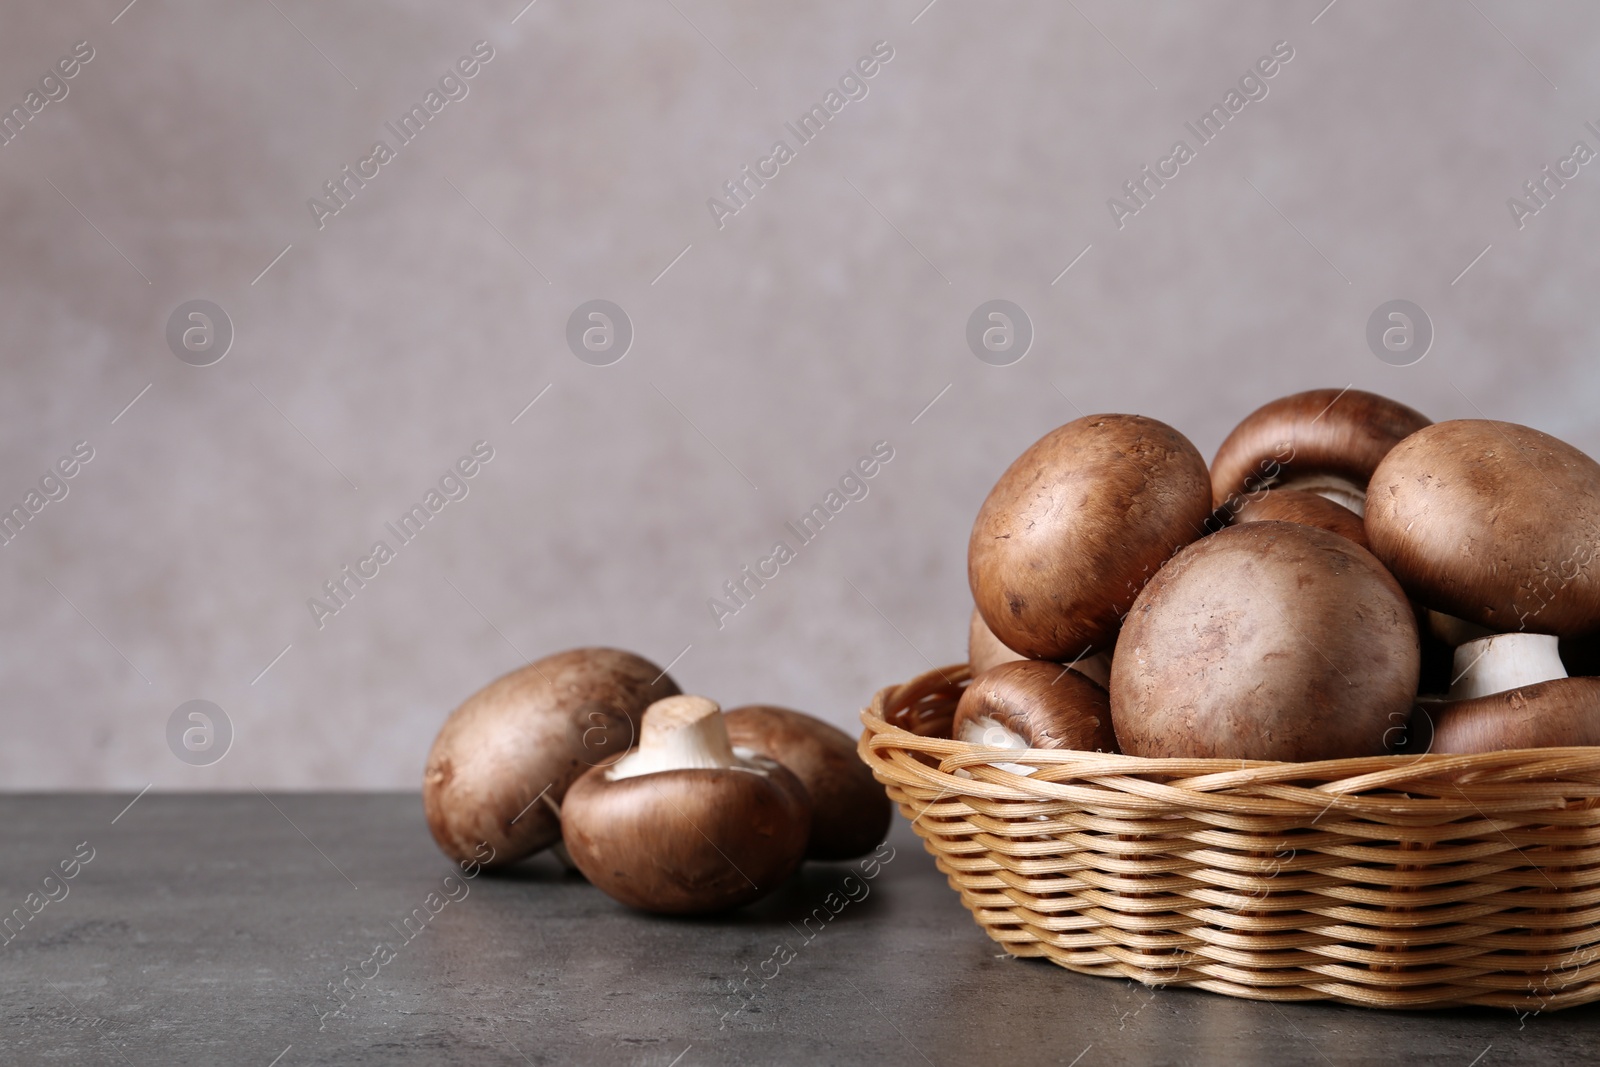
1076	526
1492	522
1271	641
1045	704
1559	712
524	739
1322	431
850	812
1308	509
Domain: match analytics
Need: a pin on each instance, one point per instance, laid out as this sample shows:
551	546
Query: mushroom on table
850	812
684	824
503	761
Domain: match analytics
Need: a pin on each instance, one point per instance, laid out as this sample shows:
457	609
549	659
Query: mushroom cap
532	731
1268	641
850	812
686	842
1321	431
1495	523
1552	714
1308	509
984	649
1076	526
1045	704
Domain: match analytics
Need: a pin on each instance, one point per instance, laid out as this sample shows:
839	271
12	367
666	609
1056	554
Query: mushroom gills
989	733
1329	486
1502	662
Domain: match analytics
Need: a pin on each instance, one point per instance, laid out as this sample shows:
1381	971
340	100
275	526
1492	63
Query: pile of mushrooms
1346	579
658	798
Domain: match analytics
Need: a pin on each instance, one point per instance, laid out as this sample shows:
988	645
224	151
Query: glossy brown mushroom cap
984	649
532	732
1553	714
1495	523
1321	431
688	842
1270	641
1076	526
1045	704
850	812
1308	509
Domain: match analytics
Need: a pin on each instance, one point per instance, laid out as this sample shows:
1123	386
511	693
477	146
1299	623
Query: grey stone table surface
201	929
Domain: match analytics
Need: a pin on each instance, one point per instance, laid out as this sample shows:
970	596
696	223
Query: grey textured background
822	318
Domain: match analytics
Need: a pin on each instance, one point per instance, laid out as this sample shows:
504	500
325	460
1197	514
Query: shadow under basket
1387	882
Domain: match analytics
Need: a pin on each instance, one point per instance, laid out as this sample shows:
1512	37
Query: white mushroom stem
1501	662
1453	631
679	733
990	734
1332	487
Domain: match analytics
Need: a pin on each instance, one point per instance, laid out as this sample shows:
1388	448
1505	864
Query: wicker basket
1389	882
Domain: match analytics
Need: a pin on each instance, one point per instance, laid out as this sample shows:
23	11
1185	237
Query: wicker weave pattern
1392	881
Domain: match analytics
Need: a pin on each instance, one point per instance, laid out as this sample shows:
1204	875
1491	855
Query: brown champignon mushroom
1308	509
850	812
1544	715
1512	691
1076	526
683	824
504	759
1034	704
1324	441
1270	641
1494	523
985	650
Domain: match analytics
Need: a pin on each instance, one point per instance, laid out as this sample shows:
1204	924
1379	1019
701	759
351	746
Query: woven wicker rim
1411	881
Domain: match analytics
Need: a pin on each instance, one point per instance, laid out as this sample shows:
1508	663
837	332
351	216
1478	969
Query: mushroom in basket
1496	527
1267	641
1034	704
1324	441
1076	526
